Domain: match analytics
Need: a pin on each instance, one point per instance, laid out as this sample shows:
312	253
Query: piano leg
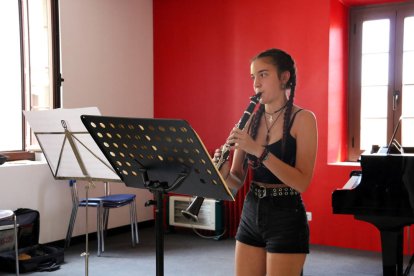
392	251
392	238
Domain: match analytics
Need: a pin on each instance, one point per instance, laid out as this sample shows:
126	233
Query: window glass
373	116
40	61
407	129
374	82
375	36
373	132
408	33
10	77
374	69
26	68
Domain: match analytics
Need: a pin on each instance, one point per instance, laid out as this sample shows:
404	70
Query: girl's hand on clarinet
242	140
233	138
217	155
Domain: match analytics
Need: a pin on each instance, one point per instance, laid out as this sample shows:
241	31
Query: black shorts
278	224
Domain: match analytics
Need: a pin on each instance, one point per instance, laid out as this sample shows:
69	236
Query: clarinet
192	211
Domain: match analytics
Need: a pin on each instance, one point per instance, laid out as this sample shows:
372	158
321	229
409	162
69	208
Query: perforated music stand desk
161	155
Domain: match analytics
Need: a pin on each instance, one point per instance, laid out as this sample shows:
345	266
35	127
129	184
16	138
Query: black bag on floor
32	255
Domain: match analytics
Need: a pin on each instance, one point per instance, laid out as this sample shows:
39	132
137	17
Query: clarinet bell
191	213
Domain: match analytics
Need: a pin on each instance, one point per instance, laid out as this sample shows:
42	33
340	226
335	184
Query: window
29	81
381	76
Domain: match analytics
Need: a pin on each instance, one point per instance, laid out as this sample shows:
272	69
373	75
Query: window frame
357	16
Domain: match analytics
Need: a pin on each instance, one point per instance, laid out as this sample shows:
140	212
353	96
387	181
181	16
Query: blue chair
103	205
9	215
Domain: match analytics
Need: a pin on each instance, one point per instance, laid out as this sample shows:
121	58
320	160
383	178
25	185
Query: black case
42	257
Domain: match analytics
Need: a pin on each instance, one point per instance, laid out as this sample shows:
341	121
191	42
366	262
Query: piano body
382	194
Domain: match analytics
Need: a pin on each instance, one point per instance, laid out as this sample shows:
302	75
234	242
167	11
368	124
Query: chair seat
110	201
91	203
117	200
6	214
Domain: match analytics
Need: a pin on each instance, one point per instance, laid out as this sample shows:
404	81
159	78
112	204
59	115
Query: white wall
107	55
107	61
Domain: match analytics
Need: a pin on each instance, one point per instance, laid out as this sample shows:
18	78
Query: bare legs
252	260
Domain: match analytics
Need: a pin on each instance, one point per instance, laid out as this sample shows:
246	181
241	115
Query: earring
283	85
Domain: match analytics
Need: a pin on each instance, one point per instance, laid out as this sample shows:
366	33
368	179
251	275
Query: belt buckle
261	192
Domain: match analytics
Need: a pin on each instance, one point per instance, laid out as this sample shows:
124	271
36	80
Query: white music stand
70	151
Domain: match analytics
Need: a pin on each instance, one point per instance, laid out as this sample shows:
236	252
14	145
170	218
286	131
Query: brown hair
283	62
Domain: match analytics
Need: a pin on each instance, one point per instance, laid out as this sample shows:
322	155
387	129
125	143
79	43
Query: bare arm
235	173
298	177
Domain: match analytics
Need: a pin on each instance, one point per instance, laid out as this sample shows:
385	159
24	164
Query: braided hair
283	62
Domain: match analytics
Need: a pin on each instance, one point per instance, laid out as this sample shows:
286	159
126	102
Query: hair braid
283	62
254	126
288	113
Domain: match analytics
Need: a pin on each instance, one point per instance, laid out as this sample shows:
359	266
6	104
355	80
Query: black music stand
161	155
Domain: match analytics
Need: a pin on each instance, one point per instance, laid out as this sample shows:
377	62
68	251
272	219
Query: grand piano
382	194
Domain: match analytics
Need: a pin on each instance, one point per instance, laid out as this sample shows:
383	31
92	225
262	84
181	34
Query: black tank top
261	173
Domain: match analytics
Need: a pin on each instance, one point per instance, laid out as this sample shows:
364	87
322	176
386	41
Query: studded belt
261	191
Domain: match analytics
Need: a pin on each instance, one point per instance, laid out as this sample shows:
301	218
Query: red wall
202	52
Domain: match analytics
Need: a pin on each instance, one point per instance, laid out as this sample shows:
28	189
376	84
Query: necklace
272	124
273	113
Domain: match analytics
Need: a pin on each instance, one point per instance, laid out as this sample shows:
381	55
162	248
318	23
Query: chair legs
71	224
104	215
16	246
133	222
75	206
99	223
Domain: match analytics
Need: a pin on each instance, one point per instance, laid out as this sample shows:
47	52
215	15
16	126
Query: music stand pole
159	189
159	231
141	149
159	236
68	136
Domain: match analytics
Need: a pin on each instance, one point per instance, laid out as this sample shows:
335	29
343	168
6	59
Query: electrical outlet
309	215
